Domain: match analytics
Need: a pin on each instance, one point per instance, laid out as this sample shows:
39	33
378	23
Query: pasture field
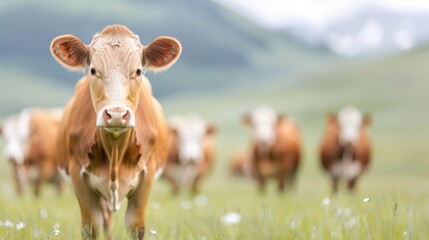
392	198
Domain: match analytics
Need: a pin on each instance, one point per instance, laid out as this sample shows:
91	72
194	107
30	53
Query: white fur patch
346	169
64	175
182	174
264	121
350	121
158	173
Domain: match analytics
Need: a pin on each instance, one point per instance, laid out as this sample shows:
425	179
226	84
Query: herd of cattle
112	140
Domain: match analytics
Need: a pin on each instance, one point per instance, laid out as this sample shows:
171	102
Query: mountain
370	30
220	49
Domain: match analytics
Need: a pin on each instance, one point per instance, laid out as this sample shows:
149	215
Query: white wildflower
43	213
351	223
8	224
1	223
366	200
56	232
156	205
231	218
153	232
56	226
20	226
347	212
186	204
292	224
339	211
326	202
201	201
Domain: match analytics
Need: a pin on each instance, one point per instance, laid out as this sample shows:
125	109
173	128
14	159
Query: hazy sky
275	13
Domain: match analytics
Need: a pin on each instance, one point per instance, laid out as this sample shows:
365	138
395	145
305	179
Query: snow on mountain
367	31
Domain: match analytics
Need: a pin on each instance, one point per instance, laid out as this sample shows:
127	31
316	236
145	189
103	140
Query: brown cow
345	149
276	147
191	151
30	147
240	164
113	138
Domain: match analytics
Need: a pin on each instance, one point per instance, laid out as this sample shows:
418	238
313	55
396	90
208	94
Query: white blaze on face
264	122
190	133
115	86
16	131
350	122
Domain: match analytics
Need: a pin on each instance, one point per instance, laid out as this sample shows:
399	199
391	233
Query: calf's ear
246	119
70	52
211	129
331	118
367	120
1	129
161	53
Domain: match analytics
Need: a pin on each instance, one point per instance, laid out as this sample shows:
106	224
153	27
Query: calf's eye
93	72
139	72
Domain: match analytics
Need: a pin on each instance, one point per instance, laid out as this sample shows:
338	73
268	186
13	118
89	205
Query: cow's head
116	62
264	123
16	137
350	123
190	132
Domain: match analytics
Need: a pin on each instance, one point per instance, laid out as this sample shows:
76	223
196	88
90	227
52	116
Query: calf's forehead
350	117
263	116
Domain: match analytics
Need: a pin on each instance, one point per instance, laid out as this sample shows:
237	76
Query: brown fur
331	151
87	152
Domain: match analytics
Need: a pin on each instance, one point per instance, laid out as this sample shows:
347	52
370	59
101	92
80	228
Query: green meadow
392	198
228	67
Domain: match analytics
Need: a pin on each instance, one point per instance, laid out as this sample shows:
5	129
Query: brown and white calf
276	147
191	151
113	138
345	150
30	147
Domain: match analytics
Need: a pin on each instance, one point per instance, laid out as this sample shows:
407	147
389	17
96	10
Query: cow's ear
367	120
70	52
281	116
247	119
211	129
331	118
173	130
161	54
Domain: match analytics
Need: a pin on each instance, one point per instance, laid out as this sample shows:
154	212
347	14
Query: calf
276	147
191	151
30	147
345	150
113	138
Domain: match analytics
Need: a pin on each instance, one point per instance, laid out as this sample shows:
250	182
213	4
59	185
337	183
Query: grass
392	90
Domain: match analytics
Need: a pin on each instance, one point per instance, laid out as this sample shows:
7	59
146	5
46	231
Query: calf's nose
116	116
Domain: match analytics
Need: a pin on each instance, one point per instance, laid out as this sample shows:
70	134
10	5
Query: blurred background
304	59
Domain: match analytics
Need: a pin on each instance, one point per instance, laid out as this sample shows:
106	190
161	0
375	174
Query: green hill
220	49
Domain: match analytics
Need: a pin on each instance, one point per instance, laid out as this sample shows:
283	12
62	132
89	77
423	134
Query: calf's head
16	136
189	132
264	123
349	124
116	62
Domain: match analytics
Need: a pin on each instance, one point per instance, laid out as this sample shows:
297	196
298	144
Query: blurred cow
240	164
345	149
276	147
191	151
30	147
